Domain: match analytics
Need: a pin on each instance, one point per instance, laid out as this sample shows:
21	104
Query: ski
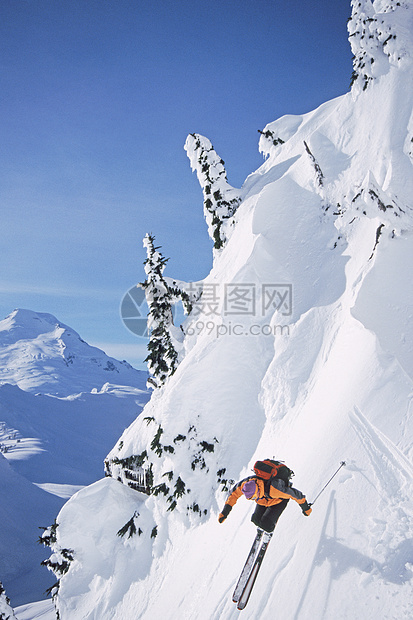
243	578
246	592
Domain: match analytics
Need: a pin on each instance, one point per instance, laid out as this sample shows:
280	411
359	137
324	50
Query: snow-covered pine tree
221	200
58	563
372	35
6	612
162	358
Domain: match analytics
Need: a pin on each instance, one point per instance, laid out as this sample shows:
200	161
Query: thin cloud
8	288
132	353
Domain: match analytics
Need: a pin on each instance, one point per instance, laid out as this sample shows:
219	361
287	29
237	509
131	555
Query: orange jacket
269	495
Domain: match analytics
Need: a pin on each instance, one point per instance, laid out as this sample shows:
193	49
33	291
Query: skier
271	489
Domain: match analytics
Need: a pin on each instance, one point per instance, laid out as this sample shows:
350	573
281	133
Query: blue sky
97	99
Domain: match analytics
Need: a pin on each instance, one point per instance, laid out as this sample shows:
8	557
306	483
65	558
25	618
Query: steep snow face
300	348
40	354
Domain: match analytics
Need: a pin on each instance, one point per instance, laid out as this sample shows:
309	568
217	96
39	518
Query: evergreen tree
220	199
130	528
373	39
162	359
162	294
6	612
59	561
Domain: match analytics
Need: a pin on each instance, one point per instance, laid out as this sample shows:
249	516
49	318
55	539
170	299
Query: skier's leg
271	515
257	515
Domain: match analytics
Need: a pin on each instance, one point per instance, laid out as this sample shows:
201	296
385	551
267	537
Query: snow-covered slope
42	355
64	440
51	446
301	348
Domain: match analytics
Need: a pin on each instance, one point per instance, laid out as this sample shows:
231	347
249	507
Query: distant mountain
63	404
42	355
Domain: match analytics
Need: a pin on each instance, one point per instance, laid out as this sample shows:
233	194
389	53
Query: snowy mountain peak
379	34
39	353
22	323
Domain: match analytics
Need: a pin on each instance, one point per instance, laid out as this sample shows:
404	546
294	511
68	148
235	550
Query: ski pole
335	474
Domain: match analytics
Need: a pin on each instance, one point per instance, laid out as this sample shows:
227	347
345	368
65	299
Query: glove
225	512
306	508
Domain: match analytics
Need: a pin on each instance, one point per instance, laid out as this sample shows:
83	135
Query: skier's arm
232	499
280	489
